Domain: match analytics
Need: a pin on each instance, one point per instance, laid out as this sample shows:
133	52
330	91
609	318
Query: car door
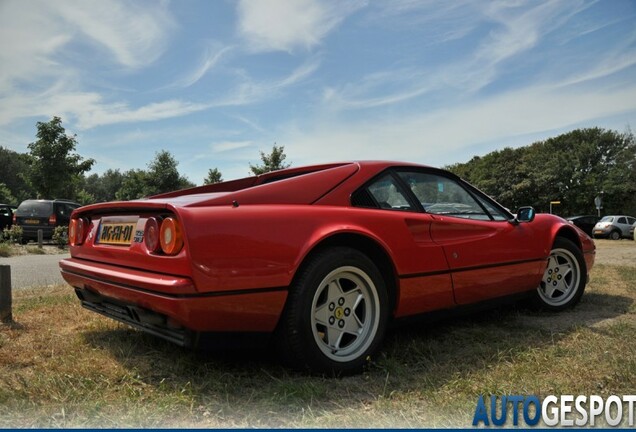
629	221
622	225
488	256
424	277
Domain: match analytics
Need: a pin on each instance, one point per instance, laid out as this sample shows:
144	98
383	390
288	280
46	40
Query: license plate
597	231
116	233
32	221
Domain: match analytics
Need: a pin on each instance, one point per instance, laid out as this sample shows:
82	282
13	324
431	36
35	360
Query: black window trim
406	191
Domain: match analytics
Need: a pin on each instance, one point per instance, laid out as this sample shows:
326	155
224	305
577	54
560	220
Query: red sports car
323	257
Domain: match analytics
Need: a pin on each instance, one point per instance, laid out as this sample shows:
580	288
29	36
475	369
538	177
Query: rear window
35	209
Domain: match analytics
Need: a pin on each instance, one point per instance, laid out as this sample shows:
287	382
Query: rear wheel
615	235
564	278
336	313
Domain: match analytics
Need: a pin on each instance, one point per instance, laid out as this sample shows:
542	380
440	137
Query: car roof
52	200
327	184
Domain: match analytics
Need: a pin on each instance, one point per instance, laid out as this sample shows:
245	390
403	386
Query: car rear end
604	227
131	261
33	216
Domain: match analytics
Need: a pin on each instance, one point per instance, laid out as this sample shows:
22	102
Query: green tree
163	175
214	176
13	173
573	168
273	161
56	169
6	197
104	187
133	185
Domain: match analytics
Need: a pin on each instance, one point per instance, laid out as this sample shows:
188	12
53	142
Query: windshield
607	219
35	209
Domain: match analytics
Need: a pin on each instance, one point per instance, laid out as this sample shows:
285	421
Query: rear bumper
169	306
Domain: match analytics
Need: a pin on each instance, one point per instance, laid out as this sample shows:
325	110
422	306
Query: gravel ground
35	270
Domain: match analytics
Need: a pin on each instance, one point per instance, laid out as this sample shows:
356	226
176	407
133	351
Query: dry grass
616	252
8	249
62	366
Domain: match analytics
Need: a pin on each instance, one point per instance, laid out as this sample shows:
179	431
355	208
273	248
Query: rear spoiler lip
123	207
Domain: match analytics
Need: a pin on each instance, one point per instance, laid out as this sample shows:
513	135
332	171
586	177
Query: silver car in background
614	227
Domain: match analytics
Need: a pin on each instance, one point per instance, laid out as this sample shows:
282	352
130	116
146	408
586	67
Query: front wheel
564	278
336	313
615	235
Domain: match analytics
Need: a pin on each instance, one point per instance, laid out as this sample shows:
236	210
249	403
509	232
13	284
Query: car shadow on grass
425	358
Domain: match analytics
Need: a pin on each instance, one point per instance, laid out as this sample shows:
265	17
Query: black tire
339	293
564	279
615	235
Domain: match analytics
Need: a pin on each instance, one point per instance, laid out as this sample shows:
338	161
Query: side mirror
525	214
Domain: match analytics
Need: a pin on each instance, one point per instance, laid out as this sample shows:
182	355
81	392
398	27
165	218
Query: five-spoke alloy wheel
336	313
564	278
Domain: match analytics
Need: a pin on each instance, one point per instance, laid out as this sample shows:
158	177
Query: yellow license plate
116	233
32	221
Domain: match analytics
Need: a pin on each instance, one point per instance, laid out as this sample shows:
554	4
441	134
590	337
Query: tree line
572	168
53	169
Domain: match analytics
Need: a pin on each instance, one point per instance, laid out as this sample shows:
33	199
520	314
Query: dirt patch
616	252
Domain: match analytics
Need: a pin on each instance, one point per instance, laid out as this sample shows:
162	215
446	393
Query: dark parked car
6	216
586	223
45	215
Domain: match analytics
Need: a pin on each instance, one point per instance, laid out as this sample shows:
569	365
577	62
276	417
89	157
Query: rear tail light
151	234
15	219
52	219
170	236
77	230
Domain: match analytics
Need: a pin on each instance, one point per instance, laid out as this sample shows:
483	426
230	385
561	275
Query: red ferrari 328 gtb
323	257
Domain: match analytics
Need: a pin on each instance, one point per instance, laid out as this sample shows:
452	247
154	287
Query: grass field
62	366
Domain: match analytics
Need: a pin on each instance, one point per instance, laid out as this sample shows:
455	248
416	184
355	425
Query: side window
441	195
383	193
621	220
631	220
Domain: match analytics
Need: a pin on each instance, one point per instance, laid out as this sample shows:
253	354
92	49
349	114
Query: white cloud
36	54
380	88
211	56
285	25
439	21
89	109
440	136
230	145
99	114
35	34
250	91
518	28
134	32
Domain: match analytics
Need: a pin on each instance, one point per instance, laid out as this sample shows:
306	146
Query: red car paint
245	240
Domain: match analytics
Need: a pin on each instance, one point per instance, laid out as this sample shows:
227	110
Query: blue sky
214	82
